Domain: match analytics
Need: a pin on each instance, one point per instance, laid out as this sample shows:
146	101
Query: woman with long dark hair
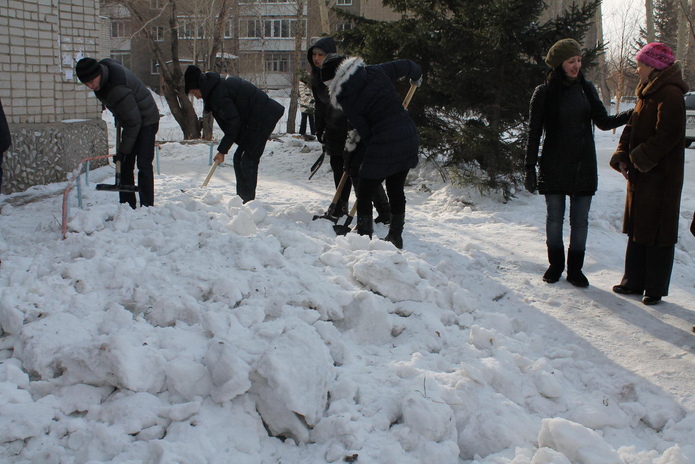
565	110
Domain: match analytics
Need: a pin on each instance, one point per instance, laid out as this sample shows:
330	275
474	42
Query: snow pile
206	331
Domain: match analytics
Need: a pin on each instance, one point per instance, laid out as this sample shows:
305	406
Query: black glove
319	137
119	156
530	181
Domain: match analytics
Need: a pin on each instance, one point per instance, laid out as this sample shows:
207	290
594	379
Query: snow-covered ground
207	331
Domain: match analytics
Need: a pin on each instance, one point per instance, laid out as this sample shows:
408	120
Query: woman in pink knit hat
650	155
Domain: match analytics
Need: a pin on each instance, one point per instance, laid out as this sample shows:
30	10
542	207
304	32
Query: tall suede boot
396	230
365	225
556	258
575	262
381	204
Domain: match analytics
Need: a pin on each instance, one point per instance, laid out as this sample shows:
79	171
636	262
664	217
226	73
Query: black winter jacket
128	99
245	113
568	162
368	98
330	122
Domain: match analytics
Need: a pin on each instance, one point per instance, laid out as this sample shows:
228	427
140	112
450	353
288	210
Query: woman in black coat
246	115
566	108
368	98
332	129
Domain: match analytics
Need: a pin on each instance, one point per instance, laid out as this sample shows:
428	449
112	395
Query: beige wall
55	121
40	41
374	9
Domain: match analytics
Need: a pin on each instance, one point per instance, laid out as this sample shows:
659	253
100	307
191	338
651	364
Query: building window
252	28
277	63
343	2
122	56
344	27
157	4
154	67
191	27
229	30
158	33
277	28
119	28
272	28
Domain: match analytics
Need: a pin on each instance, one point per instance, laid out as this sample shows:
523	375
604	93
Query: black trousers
247	158
648	268
394	189
143	156
302	124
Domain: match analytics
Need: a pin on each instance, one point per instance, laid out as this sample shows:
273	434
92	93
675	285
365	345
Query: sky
206	331
619	15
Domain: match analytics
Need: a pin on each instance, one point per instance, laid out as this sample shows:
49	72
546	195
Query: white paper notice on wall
68	74
67	60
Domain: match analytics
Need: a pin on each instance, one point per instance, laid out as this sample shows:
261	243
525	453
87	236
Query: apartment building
260	38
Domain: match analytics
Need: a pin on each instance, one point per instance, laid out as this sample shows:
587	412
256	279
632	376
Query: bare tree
204	21
621	37
299	33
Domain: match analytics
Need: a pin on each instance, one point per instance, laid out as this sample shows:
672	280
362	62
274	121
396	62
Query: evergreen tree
666	22
481	60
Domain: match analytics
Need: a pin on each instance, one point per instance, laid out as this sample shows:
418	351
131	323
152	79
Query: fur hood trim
345	71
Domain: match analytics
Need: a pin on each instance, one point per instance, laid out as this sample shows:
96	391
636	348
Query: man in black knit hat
136	112
246	115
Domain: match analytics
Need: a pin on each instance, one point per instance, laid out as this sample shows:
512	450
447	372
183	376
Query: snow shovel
117	186
409	96
330	213
343	229
210	173
317	164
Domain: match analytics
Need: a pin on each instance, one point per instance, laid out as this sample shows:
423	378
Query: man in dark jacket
246	115
136	112
5	139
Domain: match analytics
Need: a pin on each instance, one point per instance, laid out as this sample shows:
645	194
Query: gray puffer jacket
128	99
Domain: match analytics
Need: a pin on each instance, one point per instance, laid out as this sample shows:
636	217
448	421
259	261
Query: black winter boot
381	203
396	230
364	225
575	262
556	258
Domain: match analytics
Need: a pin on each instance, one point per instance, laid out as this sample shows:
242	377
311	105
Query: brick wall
40	42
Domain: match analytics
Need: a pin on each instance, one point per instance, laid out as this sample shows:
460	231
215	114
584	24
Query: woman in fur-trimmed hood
650	155
367	96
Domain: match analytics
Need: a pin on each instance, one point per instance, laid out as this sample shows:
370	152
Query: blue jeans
579	221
